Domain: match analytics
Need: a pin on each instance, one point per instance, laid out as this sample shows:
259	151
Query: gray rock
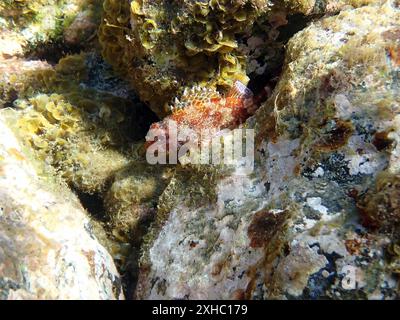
291	230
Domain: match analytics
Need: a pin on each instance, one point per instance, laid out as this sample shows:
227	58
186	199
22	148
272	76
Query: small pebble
325	274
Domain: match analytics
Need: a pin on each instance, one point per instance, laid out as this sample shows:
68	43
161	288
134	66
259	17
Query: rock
81	29
292	229
163	46
309	7
317	218
13	66
295	269
11	79
43	22
131	200
48	250
11	45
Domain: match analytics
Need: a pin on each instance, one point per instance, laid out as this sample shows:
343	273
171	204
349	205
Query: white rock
46	248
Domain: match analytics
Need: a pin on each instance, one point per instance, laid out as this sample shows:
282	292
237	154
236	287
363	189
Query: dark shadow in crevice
296	23
129	269
93	204
52	51
269	79
101	77
140	119
130	272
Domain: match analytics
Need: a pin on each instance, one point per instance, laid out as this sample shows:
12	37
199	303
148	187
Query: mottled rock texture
84	123
45	22
318	218
312	221
164	46
47	250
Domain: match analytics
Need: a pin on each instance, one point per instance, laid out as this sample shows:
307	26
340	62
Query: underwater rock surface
41	22
318	218
164	46
48	250
326	148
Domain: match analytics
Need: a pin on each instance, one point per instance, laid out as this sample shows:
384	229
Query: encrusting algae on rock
132	198
76	130
324	192
61	136
85	136
48	250
291	229
164	46
46	22
380	206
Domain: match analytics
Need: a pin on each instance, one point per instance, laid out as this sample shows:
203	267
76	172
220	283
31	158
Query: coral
163	46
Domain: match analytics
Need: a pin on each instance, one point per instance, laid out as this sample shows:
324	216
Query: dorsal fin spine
239	90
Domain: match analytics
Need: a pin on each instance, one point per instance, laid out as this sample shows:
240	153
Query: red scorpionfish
202	110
